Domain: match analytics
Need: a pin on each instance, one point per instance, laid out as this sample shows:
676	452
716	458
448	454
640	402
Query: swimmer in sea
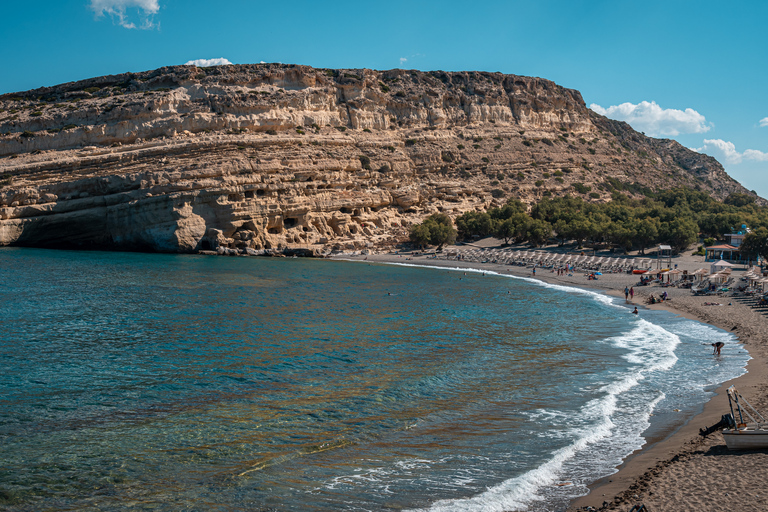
718	346
635	312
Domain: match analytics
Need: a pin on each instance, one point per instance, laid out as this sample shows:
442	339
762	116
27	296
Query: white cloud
117	10
650	118
204	63
403	60
754	154
726	149
764	122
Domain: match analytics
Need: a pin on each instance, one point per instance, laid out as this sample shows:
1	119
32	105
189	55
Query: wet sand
682	471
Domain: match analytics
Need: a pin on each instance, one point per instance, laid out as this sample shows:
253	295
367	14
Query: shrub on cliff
581	188
437	229
739	200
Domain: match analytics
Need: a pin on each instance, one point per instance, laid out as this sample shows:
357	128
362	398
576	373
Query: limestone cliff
290	157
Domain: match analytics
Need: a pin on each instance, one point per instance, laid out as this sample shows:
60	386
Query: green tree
718	224
420	234
576	227
516	226
512	207
437	229
474	223
646	232
755	244
680	233
538	231
737	199
621	234
505	230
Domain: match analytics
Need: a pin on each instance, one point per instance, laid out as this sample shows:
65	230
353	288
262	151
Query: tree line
677	217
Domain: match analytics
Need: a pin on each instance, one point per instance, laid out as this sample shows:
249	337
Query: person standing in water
631	293
626	293
718	346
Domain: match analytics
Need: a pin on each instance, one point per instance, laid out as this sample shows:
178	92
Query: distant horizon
692	75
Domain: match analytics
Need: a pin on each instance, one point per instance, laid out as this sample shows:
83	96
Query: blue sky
692	71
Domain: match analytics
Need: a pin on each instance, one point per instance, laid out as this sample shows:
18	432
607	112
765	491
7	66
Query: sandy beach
681	471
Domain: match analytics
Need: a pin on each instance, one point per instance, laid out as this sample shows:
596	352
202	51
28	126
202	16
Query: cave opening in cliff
290	222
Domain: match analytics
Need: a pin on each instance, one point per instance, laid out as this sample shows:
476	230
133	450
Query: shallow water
138	381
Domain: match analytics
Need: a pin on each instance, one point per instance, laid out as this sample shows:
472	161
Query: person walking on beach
626	293
718	346
631	293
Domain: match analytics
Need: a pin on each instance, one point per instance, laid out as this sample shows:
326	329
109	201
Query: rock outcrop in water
287	157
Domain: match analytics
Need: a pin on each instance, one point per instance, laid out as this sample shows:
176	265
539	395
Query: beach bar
722	252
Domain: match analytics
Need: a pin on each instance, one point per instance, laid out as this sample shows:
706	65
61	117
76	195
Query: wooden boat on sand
749	430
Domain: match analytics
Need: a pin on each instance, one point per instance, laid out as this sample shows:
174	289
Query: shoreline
681	470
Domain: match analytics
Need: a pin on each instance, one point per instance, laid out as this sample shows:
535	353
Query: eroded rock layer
271	156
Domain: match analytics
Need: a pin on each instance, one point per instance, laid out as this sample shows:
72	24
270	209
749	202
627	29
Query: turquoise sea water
165	382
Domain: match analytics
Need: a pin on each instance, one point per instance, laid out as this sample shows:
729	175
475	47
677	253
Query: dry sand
683	471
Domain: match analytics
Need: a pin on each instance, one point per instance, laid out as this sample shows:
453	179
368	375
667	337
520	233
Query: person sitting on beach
664	296
718	346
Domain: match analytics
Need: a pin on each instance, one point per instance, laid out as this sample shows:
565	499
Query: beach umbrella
720	265
700	273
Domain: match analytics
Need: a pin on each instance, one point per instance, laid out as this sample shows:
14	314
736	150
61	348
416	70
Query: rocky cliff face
291	157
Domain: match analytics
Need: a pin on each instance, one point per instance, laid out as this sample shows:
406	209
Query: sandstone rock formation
290	157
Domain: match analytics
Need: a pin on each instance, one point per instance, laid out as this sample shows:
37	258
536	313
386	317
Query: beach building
730	250
725	252
735	239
